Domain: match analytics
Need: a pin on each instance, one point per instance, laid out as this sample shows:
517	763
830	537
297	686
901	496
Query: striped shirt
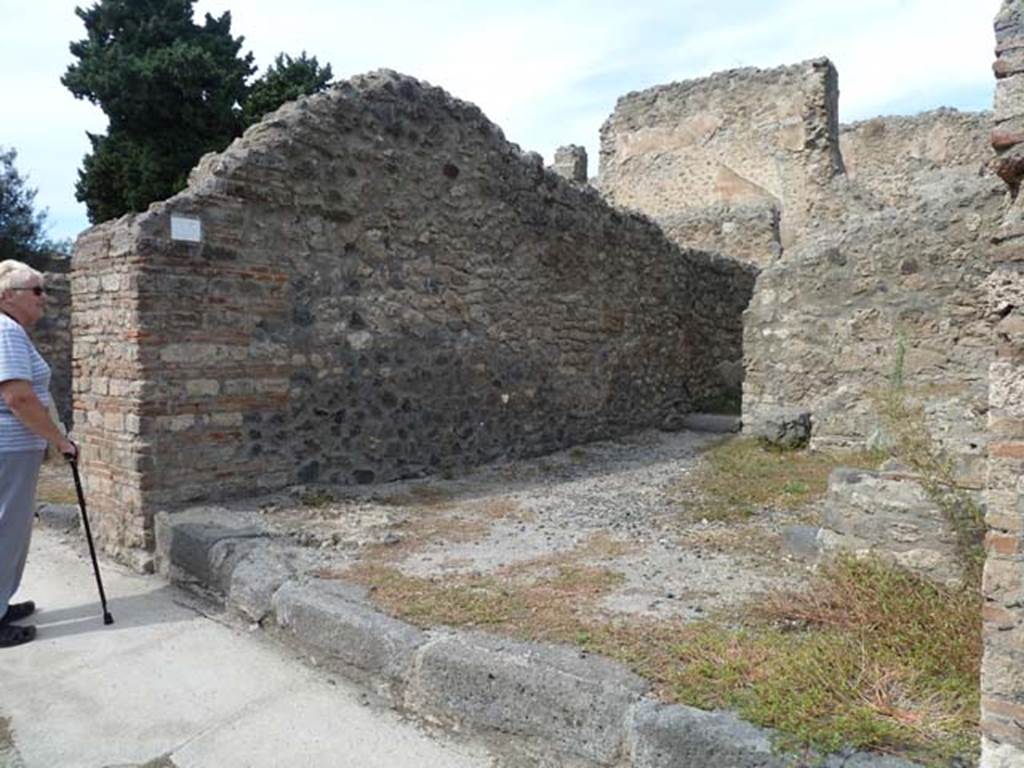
19	359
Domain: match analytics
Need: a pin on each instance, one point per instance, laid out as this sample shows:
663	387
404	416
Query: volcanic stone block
205	550
680	737
254	581
669	736
331	619
61	516
784	429
576	704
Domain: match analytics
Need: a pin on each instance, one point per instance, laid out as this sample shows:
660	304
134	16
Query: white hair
16	274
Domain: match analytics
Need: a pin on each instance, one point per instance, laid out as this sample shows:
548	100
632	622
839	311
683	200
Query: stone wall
1002	677
866	257
873	241
571	163
896	288
767	138
108	382
52	335
384	287
748	232
890	157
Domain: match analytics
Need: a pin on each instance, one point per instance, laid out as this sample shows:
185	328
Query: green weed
738	477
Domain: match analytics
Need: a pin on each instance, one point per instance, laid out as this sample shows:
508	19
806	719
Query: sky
547	71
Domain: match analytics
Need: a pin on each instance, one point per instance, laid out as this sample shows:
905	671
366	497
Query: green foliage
173	90
22	227
285	80
170	89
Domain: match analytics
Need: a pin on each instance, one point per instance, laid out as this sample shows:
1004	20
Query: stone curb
578	709
333	622
576	704
207	552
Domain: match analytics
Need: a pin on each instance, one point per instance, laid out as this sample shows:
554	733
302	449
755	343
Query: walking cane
73	461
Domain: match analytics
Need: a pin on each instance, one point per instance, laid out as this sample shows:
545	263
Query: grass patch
738	477
550	607
870	657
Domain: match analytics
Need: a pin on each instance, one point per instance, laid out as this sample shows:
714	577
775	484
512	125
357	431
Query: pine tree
285	80
171	89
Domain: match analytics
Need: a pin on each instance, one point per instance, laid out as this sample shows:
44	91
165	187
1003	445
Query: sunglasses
38	290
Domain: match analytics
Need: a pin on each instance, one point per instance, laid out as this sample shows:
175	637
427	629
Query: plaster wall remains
743	139
1002	678
384	287
891	157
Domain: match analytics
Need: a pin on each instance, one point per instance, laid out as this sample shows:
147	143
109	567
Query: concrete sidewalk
168	685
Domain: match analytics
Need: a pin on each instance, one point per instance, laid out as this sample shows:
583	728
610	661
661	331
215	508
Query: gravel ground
619	505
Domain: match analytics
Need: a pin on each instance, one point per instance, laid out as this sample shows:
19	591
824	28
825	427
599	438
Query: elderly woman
25	429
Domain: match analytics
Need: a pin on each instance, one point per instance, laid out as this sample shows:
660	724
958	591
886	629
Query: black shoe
17	612
11	636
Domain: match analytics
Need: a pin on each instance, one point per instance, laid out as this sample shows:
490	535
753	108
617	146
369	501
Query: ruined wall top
892	157
571	163
745	136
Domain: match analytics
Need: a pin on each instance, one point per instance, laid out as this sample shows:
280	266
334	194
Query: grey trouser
19	473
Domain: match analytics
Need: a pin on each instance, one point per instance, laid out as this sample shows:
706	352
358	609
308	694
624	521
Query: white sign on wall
187	228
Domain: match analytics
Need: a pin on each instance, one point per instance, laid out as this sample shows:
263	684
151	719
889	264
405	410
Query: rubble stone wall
742	137
748	232
890	157
1002	679
896	291
384	287
873	240
52	336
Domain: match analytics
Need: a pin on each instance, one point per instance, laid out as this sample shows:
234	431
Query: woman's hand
67	449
